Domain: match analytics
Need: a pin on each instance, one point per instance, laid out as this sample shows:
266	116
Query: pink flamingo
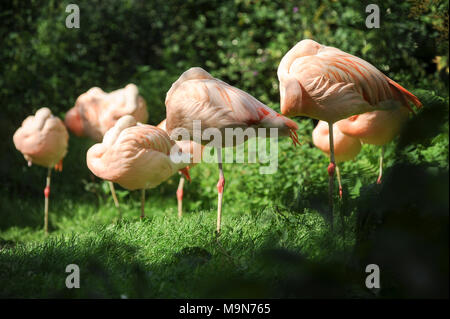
376	128
95	112
134	155
196	95
345	147
328	84
188	147
43	139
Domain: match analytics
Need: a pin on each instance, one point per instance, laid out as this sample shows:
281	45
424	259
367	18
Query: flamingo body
345	147
134	155
328	84
95	111
377	127
196	95
42	139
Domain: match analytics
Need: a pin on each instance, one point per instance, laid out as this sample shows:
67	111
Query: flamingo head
290	96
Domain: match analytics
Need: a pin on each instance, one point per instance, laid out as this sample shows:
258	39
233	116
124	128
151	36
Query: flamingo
345	147
196	95
188	147
376	128
95	112
135	155
43	139
328	84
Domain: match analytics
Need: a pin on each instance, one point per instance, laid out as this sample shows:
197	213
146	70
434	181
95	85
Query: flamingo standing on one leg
197	96
134	155
95	112
43	139
345	147
188	147
328	84
376	128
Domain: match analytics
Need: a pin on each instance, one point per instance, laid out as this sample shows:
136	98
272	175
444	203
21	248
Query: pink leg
338	174
180	196
381	165
220	188
47	195
331	169
142	203
116	202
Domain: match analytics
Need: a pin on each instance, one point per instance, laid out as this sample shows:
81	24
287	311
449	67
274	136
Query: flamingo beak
185	172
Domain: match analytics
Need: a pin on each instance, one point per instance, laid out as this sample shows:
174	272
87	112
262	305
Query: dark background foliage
152	42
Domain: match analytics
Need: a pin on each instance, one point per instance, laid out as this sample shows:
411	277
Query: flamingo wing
333	77
135	157
217	105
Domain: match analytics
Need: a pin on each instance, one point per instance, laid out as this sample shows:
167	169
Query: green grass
159	256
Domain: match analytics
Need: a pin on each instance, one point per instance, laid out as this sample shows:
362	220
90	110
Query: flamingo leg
142	203
220	187
381	165
47	194
180	196
331	169
338	174
113	193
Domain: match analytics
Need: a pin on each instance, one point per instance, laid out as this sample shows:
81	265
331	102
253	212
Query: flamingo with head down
328	84
42	139
96	111
136	156
198	96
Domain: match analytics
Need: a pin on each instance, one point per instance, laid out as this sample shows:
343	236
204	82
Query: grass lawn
160	256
